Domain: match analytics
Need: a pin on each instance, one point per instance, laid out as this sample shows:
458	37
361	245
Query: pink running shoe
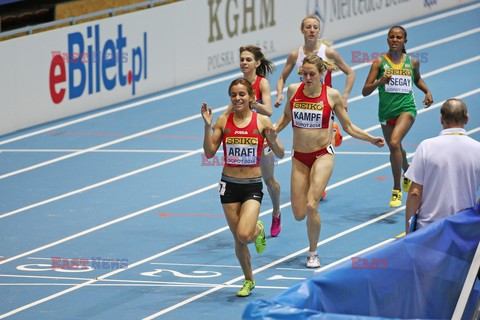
276	225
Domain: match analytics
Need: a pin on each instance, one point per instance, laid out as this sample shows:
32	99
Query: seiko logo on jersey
308	105
398	72
246	140
239	17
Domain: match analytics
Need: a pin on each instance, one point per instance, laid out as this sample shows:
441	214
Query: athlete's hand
385	79
270	134
279	100
254	105
345	102
428	100
207	114
378	141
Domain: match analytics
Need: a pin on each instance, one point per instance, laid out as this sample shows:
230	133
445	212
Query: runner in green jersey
394	74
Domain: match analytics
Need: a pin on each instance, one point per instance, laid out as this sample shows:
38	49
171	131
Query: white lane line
191	285
101	183
96	151
125	281
195	265
156	263
178	283
473	131
236	75
294	269
362	153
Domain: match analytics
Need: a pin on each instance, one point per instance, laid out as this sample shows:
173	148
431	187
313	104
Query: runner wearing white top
327	76
310	28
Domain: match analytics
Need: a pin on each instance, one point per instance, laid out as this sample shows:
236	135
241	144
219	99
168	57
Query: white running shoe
313	261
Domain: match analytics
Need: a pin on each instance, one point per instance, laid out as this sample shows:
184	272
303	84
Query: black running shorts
233	190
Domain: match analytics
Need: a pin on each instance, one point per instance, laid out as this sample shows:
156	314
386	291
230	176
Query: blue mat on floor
419	276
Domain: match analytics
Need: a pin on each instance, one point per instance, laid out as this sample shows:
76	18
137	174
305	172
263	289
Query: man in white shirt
445	170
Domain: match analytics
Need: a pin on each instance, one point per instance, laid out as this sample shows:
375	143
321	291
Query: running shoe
313	261
276	225
406	183
247	288
261	241
338	139
396	200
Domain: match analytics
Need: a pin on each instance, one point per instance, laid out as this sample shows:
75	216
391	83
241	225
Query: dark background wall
16	14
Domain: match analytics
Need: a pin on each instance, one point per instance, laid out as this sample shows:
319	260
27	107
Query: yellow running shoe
247	288
261	241
396	200
406	183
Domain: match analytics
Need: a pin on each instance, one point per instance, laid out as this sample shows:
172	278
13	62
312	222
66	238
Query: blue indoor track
127	183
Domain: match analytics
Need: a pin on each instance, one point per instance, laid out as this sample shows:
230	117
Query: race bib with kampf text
307	114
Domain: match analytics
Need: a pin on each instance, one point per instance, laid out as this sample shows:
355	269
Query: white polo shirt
448	168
